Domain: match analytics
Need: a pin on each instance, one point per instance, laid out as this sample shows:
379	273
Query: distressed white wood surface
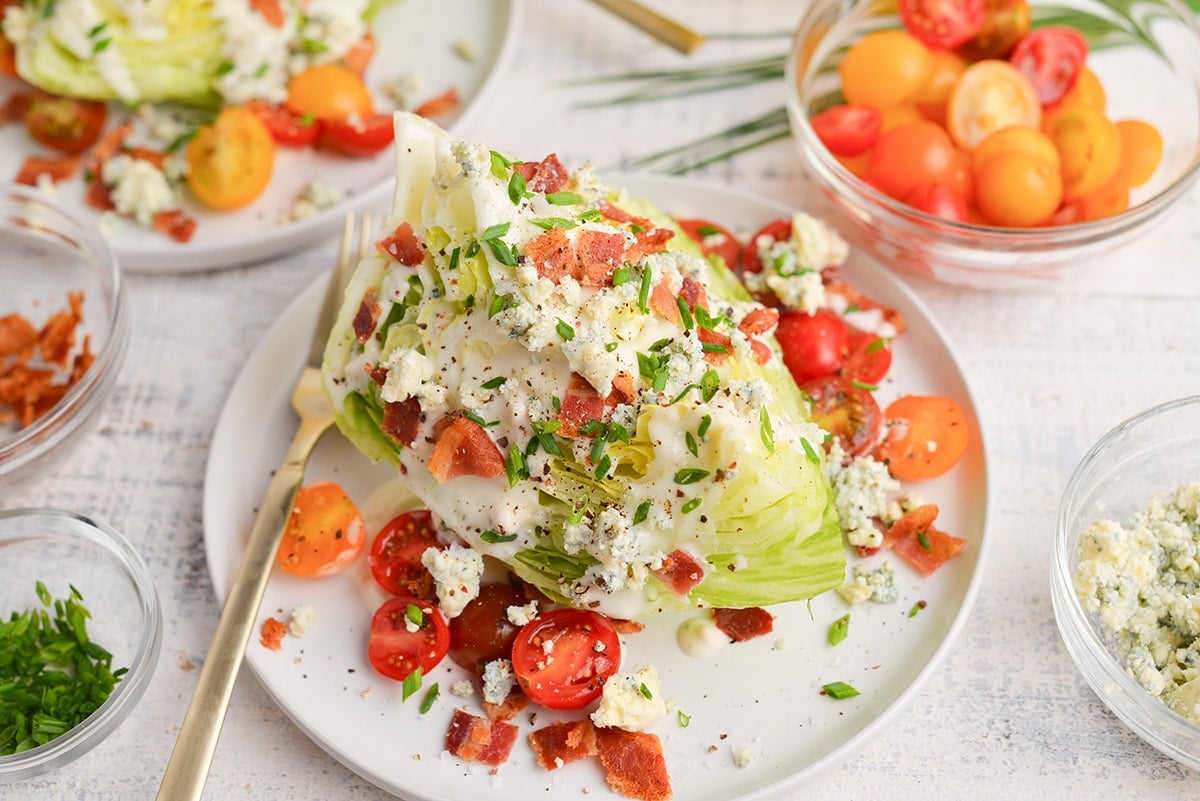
1005	717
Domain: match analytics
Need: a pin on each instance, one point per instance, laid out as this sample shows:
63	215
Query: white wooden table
1006	716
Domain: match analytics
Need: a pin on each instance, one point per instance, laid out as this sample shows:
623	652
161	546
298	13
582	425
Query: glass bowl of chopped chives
80	634
1126	574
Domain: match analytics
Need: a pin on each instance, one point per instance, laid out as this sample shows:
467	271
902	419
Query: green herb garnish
839	690
839	629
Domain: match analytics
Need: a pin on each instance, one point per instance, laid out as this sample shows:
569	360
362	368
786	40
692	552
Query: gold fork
187	769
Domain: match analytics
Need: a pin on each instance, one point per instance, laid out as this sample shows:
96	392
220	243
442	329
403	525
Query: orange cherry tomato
1090	147
1017	189
1015	137
989	96
329	92
1087	91
924	436
325	532
1110	199
895	116
230	161
910	155
1004	23
1141	151
857	165
931	99
884	68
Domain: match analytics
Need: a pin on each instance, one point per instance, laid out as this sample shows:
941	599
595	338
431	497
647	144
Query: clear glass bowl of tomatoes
995	143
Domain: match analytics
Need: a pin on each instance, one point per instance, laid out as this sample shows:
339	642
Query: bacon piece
694	294
273	632
599	254
360	53
16	106
463	448
917	541
561	743
633	763
623	390
442	104
402	420
551	254
99	195
680	571
403	246
16	334
618	214
477	740
857	299
547	176
507	709
648	241
662	301
744	624
58	168
57	337
720	345
367	317
176	224
269	10
580	404
759	321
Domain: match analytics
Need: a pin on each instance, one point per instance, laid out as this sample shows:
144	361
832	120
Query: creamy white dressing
699	637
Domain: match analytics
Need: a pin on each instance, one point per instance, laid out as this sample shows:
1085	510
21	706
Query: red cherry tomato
814	345
359	137
868	358
848	130
395	557
845	411
910	155
482	631
396	651
762	239
943	24
939	200
714	239
1051	59
65	124
287	127
562	658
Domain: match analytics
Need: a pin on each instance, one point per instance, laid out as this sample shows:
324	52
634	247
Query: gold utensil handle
187	769
665	30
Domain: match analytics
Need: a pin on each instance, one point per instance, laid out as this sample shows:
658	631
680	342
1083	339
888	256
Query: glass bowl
47	254
1162	88
65	550
1148	455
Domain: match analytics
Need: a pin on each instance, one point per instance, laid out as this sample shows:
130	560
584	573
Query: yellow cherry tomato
229	162
895	116
1141	150
1089	145
990	95
329	92
1110	199
1086	92
1015	138
325	532
946	68
1017	189
884	68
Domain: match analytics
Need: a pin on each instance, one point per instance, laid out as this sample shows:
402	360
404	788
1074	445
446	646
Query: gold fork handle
187	769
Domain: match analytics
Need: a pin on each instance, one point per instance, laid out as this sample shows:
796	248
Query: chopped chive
691	505
454	256
685	314
691	443
564	330
500	165
690	475
714	347
839	690
708	230
430	697
644	291
923	541
475	418
414	614
516	188
494	383
641	513
577	513
765	431
493	232
602	468
553	222
877	344
684	720
515	467
104	44
864	386
563	199
412	683
590	215
494	537
710	382
503	253
609	347
471	250
621	275
839	629
705	422
645	691
810	453
497	304
262	70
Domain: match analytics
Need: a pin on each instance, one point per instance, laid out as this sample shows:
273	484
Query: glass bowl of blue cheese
1126	575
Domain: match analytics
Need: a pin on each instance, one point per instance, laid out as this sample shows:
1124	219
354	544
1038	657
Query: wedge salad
599	415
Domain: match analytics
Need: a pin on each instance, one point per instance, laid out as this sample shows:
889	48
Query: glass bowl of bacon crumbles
63	328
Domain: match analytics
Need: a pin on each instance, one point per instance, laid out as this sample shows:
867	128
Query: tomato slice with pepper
563	657
846	411
325	532
359	137
482	632
924	436
407	633
230	161
942	24
714	239
395	556
287	127
814	345
65	124
868	358
763	238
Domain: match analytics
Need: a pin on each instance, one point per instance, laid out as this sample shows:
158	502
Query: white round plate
760	698
415	37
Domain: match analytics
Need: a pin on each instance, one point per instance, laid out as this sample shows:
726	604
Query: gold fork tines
187	769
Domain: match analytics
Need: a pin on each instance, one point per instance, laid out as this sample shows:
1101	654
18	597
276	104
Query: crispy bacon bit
273	632
463	448
508	709
360	53
694	294
855	298
744	624
176	224
561	743
269	10
759	321
662	301
622	389
633	763
762	351
57	168
477	740
580	404
547	176
648	240
402	420
403	246
680	571
599	254
618	214
16	334
917	541
720	345
16	106
28	391
367	317
551	254
99	195
625	626
442	104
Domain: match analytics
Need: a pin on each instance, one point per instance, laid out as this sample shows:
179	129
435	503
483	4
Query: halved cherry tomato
946	68
939	200
1141	151
814	345
1051	58
407	633
65	124
910	155
482	632
1090	147
230	161
868	358
1004	23
359	137
325	532
990	95
848	130
563	657
924	436
942	24
884	68
360	54
287	127
714	239
762	239
329	92
441	104
395	556
1087	91
846	411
